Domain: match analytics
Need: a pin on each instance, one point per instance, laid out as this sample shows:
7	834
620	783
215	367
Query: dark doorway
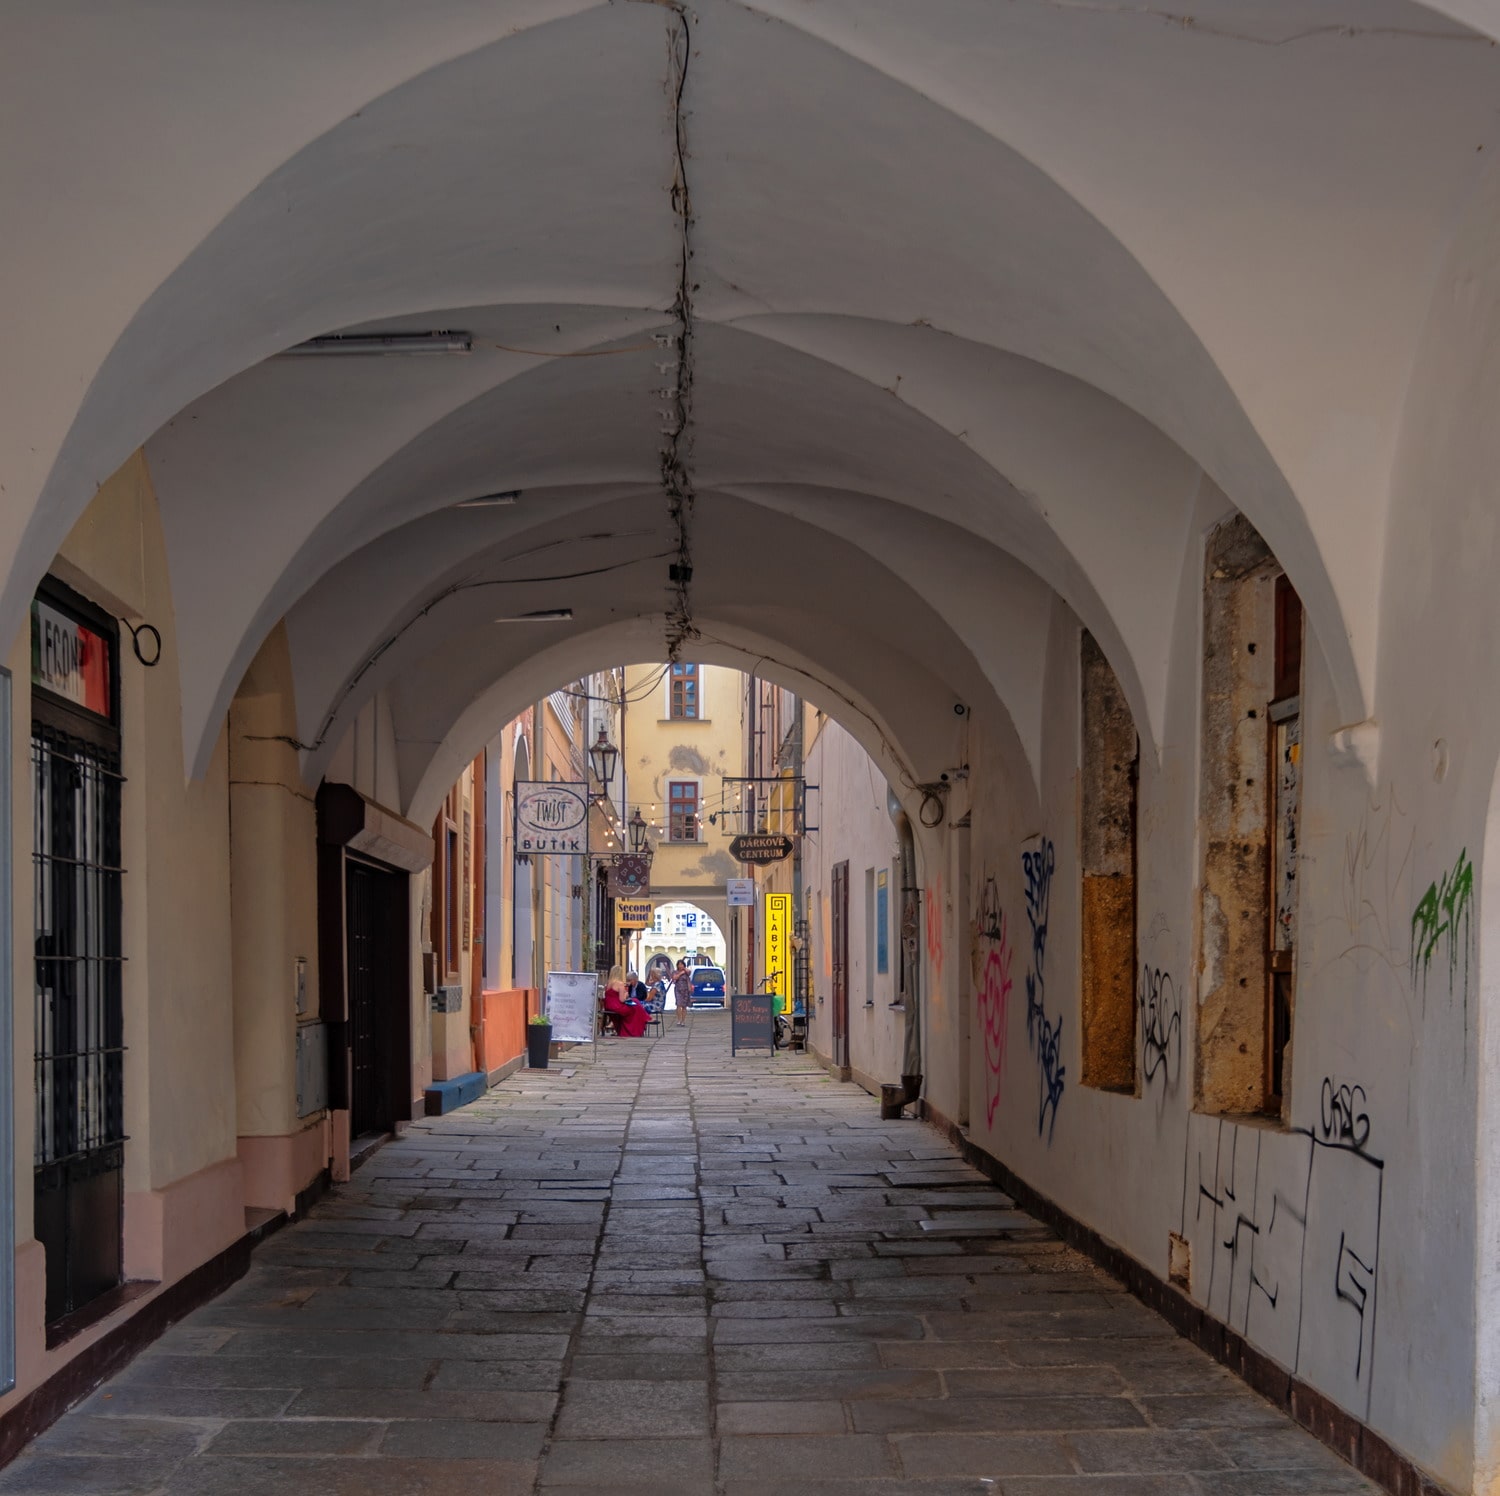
840	955
378	983
79	1053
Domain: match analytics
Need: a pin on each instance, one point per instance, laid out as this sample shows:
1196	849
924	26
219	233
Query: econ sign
760	847
552	819
69	659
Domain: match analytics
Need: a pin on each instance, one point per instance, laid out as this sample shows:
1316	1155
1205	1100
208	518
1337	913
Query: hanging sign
739	893
633	914
760	847
779	945
69	659
552	819
572	1000
629	875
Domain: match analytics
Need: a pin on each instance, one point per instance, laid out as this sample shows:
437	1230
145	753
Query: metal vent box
312	1068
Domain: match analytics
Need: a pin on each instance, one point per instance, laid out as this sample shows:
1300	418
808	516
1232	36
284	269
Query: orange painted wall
501	1035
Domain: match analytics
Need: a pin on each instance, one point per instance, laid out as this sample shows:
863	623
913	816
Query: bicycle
782	1032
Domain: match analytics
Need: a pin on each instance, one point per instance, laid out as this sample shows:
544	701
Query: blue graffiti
1043	1034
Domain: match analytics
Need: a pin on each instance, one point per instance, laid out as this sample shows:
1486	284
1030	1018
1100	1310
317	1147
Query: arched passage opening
951	387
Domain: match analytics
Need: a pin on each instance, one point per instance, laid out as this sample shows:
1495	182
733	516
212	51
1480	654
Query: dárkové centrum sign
760	847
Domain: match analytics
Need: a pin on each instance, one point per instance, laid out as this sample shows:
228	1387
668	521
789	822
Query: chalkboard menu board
750	1021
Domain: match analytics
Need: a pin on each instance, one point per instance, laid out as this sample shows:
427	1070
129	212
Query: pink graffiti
994	1008
935	926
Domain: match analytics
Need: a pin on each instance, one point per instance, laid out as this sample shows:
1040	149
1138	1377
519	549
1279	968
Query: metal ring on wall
154	633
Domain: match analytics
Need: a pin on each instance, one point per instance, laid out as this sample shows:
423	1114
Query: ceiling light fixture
542	615
348	344
490	500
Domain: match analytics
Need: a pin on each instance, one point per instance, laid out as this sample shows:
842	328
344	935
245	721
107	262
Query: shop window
685	697
682	811
1249	816
1107	854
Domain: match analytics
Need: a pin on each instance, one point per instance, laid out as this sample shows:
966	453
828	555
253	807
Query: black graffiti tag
1342	1115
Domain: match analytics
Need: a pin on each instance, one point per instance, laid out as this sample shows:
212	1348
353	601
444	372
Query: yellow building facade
683	732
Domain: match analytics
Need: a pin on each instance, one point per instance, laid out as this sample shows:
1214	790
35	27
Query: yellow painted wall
273	891
183	1191
659	749
179	1075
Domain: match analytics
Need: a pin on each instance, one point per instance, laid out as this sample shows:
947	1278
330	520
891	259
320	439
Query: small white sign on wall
740	893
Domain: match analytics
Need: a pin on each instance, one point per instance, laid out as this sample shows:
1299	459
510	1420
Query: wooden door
839	938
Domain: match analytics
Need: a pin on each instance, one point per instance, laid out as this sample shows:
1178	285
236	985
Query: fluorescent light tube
490	500
339	345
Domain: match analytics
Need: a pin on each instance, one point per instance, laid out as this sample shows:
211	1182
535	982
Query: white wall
854	826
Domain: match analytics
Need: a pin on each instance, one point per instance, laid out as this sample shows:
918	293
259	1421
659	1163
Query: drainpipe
911	963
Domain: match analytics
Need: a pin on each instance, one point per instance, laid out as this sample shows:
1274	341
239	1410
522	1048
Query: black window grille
77	892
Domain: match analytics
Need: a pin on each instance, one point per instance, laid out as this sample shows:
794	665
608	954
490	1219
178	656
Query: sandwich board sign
750	1022
572	1002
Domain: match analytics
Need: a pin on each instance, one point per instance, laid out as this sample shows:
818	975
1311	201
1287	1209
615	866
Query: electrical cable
676	453
441	597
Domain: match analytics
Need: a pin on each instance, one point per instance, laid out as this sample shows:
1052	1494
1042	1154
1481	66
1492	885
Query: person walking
682	989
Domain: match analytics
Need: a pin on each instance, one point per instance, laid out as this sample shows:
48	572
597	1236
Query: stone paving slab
676	1273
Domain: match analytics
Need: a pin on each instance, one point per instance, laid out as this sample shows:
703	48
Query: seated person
628	1019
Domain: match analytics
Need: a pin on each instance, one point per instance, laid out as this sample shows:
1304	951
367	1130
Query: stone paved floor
673	1273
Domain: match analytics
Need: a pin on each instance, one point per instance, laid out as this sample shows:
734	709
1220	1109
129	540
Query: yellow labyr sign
779	944
633	914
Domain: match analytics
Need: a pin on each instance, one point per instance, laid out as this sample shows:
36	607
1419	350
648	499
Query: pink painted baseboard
170	1231
277	1168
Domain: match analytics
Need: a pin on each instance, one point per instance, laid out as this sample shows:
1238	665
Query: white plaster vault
1000	307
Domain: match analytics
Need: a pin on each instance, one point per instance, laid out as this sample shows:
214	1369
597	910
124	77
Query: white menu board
572	1001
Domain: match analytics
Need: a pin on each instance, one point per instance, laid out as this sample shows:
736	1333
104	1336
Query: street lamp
638	829
604	756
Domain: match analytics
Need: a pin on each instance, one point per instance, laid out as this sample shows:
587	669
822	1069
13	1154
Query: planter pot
538	1044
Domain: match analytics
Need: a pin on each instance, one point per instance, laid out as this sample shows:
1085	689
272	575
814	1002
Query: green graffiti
1443	912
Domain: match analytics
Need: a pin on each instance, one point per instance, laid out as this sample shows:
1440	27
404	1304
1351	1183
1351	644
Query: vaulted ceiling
992	304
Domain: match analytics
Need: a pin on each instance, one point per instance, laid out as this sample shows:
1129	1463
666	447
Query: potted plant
538	1040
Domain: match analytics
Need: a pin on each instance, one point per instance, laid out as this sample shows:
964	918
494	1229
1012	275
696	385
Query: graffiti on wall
1160	1028
934	899
1342	1117
1043	1033
1290	1226
993	954
1376	885
1441	922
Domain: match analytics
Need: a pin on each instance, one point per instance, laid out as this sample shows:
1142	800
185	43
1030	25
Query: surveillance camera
945	779
959	709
